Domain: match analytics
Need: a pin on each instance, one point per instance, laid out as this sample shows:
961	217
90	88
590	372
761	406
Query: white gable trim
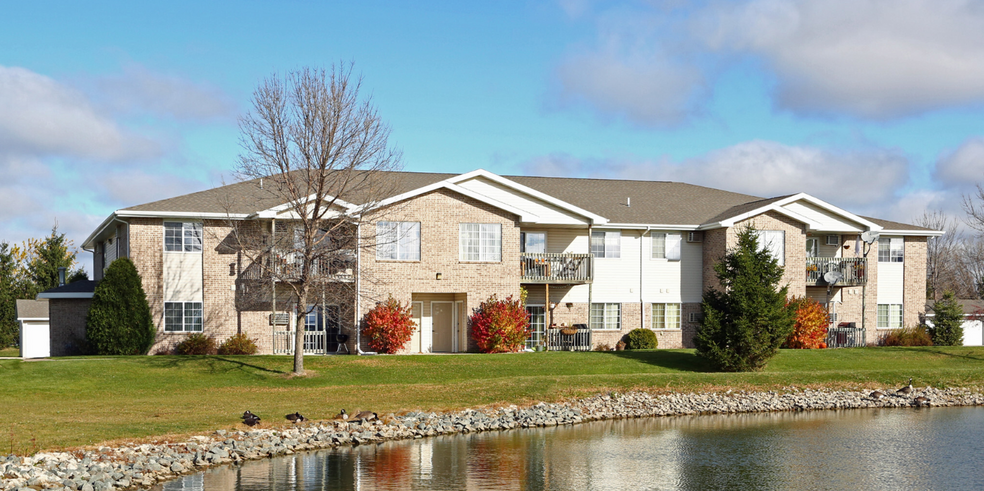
596	219
524	215
276	210
779	207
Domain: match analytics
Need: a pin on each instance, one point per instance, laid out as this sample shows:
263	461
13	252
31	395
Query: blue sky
874	106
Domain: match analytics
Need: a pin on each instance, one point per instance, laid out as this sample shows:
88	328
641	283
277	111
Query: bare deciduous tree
943	253
319	147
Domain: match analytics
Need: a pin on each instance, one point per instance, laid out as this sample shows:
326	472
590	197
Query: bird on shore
877	395
921	401
905	390
295	418
342	416
250	419
365	416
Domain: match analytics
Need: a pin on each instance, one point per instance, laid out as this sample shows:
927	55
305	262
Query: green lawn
9	352
68	402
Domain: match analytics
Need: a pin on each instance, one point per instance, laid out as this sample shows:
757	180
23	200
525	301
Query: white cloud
39	116
963	167
138	90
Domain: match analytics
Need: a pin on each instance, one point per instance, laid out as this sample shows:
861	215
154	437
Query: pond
934	448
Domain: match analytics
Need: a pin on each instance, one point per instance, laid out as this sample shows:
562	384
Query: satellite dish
868	236
832	277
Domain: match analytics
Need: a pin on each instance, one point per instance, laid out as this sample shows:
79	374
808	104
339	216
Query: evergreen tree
947	327
8	296
745	324
119	321
46	256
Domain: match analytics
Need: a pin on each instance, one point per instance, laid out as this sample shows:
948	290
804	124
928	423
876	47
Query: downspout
358	290
273	284
642	254
593	272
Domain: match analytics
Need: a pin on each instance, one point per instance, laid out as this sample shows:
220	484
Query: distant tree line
31	268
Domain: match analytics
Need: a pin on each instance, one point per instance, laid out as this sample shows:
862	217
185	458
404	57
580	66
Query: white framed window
398	241
666	316
659	245
891	250
889	316
183	316
480	242
773	241
606	316
533	242
812	247
606	243
183	236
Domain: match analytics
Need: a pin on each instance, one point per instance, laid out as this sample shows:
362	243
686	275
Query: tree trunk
299	330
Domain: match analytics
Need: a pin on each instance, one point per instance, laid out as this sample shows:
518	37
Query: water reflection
875	449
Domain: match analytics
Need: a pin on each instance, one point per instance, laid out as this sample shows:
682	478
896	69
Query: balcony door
533	242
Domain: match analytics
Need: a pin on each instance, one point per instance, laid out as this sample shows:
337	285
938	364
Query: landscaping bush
603	347
810	330
240	344
947	327
500	326
389	326
908	336
640	338
119	321
196	344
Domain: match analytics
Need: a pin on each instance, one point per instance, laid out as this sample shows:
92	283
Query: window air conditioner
696	316
280	319
695	237
833	240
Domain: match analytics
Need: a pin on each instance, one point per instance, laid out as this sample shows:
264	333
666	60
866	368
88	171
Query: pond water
934	448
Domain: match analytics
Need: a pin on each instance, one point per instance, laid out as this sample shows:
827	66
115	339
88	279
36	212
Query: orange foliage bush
810	331
500	326
389	326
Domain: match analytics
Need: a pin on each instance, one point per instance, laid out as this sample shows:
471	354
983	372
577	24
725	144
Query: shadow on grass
213	362
674	360
976	355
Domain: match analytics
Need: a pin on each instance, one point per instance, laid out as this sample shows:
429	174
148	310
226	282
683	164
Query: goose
250	419
343	416
921	401
296	417
365	416
905	390
876	395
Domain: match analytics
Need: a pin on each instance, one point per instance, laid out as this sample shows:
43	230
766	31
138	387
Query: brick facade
66	325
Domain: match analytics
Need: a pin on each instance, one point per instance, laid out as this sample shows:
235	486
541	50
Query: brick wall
914	290
66	321
147	253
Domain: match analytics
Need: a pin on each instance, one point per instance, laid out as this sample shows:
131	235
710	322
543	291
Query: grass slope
69	402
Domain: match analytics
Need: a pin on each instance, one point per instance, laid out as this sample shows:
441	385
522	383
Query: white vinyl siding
606	316
480	242
182	237
183	316
666	316
773	241
889	316
891	250
606	244
398	241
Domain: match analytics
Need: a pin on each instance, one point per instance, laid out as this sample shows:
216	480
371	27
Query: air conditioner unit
695	237
696	316
833	240
280	319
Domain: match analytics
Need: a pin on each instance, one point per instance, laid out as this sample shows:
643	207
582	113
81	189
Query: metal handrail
852	269
553	267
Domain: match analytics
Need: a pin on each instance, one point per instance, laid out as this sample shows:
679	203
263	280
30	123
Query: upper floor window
533	242
399	241
666	246
183	236
606	243
480	242
812	247
891	249
773	241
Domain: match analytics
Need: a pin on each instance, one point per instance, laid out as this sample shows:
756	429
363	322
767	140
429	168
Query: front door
442	321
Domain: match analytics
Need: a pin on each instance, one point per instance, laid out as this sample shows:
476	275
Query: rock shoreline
138	466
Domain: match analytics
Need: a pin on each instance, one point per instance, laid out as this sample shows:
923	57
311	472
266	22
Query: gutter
358	291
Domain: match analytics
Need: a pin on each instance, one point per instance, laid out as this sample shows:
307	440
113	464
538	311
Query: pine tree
8	296
947	327
119	321
746	322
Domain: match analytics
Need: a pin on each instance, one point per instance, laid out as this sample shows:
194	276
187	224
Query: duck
905	390
342	416
296	417
877	395
250	419
921	401
365	416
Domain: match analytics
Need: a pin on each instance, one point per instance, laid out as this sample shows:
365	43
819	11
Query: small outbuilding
68	307
973	321
35	341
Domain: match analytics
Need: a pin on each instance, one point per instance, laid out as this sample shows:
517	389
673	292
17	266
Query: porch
545	268
852	270
286	267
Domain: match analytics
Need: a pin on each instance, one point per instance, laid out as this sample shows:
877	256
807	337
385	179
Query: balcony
851	268
556	268
286	267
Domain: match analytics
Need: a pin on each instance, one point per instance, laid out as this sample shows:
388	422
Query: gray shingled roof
32	309
652	202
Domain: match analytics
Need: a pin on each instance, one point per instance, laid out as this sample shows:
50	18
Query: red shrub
500	326
389	326
811	324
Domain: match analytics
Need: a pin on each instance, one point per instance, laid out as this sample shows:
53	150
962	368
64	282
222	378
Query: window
889	316
606	316
773	241
812	247
666	316
398	241
480	242
891	250
533	242
183	316
667	246
606	244
659	246
183	236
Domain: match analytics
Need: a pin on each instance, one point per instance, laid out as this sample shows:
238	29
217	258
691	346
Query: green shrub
240	344
119	321
908	336
196	344
641	339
